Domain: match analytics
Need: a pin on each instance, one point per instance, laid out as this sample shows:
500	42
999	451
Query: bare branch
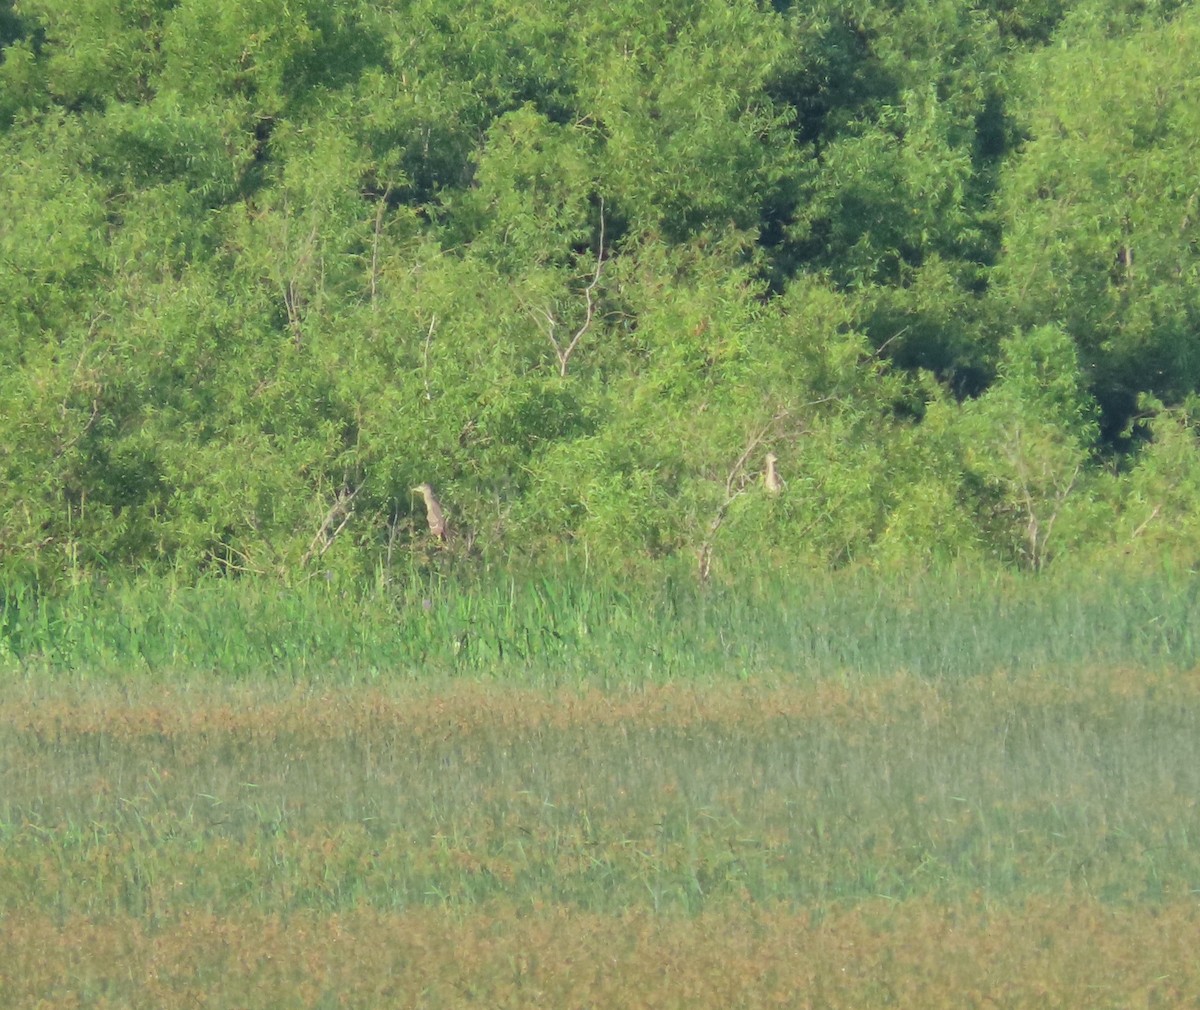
425	361
334	522
564	353
1142	528
737	472
295	300
878	352
74	440
737	476
375	240
587	292
229	564
1061	493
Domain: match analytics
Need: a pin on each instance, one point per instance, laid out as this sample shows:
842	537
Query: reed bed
573	627
1013	839
854	793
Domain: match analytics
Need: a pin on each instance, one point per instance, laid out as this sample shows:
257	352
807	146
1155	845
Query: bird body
434	515
771	479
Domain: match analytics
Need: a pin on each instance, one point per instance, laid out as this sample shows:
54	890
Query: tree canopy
267	266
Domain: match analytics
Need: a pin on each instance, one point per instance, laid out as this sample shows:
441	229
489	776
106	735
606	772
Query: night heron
433	512
771	479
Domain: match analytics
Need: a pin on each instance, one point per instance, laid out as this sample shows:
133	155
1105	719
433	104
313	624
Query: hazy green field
1007	817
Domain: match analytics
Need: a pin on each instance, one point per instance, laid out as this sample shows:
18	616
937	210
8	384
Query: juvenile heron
433	512
771	479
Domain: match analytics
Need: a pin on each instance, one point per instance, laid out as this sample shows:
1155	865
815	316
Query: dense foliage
266	266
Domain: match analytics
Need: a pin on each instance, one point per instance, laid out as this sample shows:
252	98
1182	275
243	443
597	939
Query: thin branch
425	358
1142	528
252	520
74	440
393	530
878	352
1060	496
228	563
737	475
294	300
564	354
334	522
375	240
739	467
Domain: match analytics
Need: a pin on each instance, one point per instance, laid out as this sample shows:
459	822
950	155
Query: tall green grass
568	627
941	792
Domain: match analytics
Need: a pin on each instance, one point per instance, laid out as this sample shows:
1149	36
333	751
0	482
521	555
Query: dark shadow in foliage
108	481
537	414
912	338
434	159
946	335
12	26
256	174
1117	385
346	48
14	29
997	135
834	80
1028	21
996	132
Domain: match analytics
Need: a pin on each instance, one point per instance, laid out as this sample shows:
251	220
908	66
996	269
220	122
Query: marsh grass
667	798
1018	840
850	794
572	628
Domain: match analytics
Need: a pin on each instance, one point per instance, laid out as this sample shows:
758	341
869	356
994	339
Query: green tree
1101	209
1025	447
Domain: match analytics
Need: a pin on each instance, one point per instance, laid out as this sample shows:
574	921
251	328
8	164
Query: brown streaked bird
438	525
771	479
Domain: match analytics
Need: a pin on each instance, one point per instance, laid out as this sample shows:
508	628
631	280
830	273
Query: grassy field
551	829
564	630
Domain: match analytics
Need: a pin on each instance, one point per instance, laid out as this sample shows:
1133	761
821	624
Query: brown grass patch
414	711
1068	952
